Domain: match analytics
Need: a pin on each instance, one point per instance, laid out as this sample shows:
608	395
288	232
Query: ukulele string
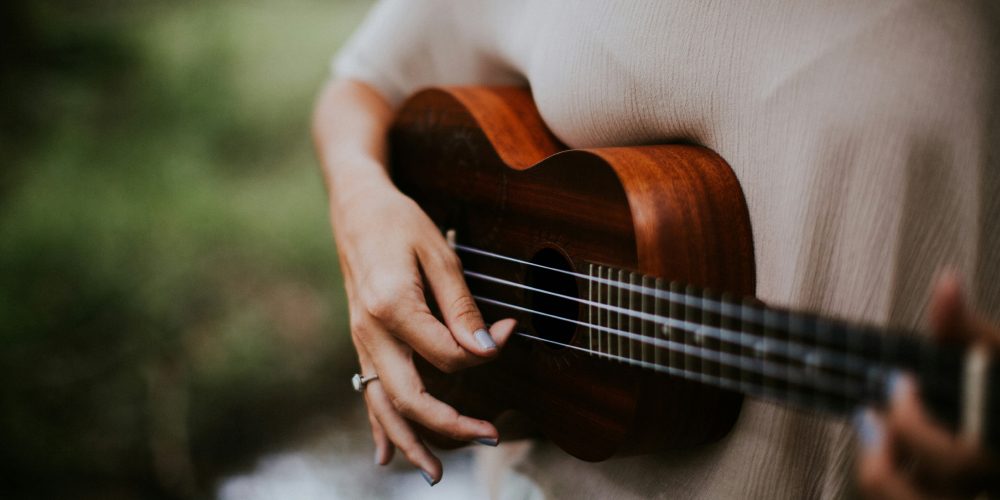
715	306
806	400
751	314
809	355
769	369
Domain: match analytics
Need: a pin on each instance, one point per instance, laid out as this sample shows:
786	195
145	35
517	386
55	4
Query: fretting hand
904	454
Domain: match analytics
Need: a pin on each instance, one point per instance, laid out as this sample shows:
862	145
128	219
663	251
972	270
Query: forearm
350	124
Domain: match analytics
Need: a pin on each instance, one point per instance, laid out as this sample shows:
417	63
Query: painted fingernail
484	339
869	428
427	477
487	441
897	386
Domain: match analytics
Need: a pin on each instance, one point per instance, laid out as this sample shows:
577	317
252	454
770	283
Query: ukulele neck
798	359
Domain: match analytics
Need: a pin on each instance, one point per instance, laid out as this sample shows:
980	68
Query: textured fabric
863	133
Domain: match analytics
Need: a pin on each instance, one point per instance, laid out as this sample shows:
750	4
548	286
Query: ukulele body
480	161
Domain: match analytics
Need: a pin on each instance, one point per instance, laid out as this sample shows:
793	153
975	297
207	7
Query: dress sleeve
404	45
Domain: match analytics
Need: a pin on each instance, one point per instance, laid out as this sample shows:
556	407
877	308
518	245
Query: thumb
948	316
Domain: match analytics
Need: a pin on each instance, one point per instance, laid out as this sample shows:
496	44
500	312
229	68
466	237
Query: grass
167	273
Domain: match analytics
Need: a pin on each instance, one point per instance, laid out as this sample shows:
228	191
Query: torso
859	132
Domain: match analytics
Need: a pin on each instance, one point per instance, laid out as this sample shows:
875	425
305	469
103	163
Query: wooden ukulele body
481	161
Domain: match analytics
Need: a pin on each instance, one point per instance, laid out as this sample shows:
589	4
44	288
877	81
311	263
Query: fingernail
487	441
484	339
427	477
897	386
378	456
869	428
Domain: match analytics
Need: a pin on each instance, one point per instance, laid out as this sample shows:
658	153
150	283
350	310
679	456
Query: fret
648	329
608	337
804	395
710	343
822	338
591	346
810	336
624	344
750	334
776	328
662	308
613	314
676	311
730	321
609	300
833	336
603	314
692	314
635	320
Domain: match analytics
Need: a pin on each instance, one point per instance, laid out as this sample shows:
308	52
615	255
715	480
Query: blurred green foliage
170	299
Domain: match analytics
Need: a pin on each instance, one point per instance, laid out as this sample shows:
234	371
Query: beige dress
864	134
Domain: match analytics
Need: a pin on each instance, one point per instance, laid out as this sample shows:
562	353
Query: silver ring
360	382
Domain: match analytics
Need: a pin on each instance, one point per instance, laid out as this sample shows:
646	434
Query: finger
401	433
383	445
416	327
878	475
444	274
403	313
406	391
395	428
397	303
947	459
502	330
951	319
947	308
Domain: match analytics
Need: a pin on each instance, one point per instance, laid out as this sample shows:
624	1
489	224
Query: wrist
346	176
346	196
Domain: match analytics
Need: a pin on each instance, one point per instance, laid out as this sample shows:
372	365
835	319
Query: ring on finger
360	382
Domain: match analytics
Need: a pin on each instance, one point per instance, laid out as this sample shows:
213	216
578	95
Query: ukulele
631	273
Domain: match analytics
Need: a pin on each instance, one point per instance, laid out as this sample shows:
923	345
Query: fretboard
739	344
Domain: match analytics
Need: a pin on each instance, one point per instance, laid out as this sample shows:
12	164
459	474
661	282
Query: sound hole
561	302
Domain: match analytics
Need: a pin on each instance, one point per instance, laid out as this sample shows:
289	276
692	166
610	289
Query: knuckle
359	335
448	260
381	306
452	428
385	299
464	308
358	326
447	364
403	406
441	257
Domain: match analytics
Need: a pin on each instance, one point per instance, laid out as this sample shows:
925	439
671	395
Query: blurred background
172	318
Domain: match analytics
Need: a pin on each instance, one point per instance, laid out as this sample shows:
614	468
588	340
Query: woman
861	133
